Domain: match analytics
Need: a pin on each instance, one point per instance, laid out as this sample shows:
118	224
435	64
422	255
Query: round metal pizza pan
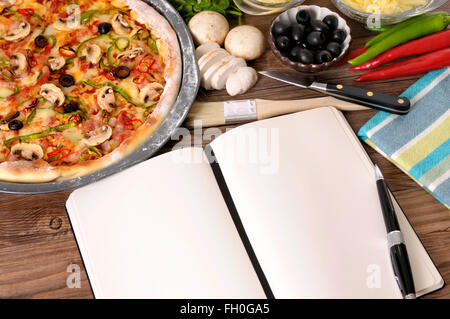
186	96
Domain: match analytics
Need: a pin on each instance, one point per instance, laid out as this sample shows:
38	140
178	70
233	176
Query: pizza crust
42	172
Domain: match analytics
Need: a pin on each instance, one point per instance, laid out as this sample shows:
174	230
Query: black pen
397	247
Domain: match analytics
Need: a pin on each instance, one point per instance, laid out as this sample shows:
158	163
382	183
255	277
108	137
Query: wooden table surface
36	240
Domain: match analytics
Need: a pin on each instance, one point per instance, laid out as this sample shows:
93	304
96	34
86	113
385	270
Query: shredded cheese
384	6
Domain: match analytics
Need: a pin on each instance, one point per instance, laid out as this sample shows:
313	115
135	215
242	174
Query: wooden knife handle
268	109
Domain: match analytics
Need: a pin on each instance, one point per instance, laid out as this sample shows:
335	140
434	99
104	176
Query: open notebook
291	210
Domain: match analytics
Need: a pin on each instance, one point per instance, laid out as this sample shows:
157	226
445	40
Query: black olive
283	43
303	17
122	72
294	54
306	56
40	42
317	25
331	21
334	48
323	56
70	107
280	28
104	27
316	39
15	125
66	80
338	36
297	33
306	45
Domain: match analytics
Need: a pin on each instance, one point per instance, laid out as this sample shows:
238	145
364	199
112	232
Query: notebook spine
237	221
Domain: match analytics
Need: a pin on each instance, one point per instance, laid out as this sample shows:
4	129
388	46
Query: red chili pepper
110	75
93	25
62	152
76	118
351	55
67	51
31	59
140	78
421	64
145	64
125	119
26	12
31	106
138	121
429	43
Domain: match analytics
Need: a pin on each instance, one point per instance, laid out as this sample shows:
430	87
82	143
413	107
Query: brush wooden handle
267	109
212	113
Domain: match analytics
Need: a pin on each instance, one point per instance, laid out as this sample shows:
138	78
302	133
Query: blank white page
161	230
311	210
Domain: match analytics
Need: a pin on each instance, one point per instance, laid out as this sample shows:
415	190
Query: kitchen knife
380	101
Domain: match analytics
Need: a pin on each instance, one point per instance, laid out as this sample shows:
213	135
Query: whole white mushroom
245	42
209	26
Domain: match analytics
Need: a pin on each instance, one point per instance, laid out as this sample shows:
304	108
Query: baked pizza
82	84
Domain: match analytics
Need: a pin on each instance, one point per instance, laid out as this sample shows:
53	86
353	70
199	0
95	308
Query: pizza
82	84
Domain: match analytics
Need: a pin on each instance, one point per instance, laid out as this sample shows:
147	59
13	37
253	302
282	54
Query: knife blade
372	99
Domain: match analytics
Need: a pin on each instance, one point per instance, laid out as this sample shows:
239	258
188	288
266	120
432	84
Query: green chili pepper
109	57
103	65
39	76
16	91
400	26
82	44
37	16
430	24
31	116
35	136
381	28
106	117
4	63
23	102
7	78
86	16
83	112
118	90
92	84
39	99
152	44
91	151
122	43
52	40
17	14
149	110
138	36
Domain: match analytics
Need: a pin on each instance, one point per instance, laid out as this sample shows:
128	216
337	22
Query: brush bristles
209	113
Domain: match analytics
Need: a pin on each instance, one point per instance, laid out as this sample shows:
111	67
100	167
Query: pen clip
402	289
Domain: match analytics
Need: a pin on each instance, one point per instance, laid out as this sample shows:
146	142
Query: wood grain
37	243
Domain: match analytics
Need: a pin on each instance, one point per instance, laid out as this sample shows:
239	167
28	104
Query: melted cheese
73	134
43	116
4	92
130	88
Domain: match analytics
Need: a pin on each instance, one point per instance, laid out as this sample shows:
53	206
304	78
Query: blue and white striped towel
419	143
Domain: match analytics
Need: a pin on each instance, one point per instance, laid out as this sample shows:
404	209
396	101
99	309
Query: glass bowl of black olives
309	38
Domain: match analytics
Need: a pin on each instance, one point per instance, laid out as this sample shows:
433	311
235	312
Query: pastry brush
234	112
